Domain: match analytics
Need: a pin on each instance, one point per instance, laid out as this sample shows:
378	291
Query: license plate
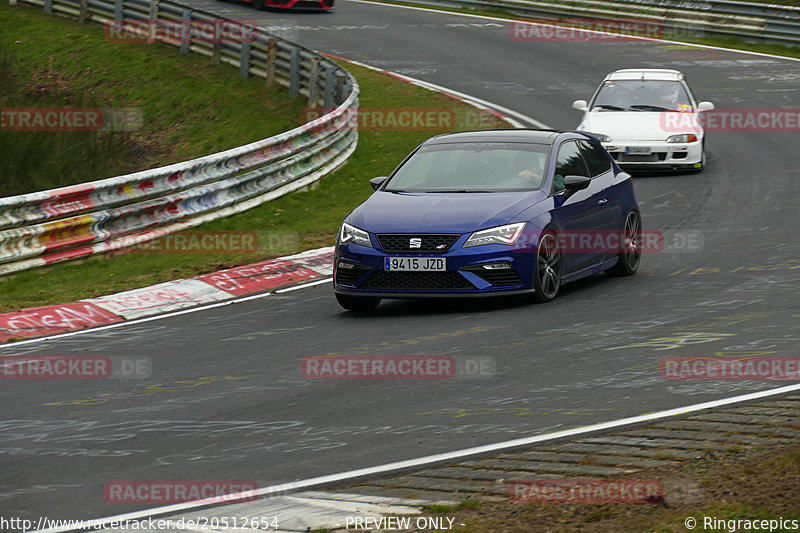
638	150
418	264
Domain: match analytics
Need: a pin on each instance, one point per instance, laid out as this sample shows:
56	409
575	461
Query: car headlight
682	138
352	234
508	234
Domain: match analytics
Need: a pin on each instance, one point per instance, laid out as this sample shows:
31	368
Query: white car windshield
642	95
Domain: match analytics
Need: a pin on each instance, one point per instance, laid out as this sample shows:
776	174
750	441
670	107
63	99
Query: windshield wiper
609	107
648	107
456	190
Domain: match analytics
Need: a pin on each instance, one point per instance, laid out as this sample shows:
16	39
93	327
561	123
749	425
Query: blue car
489	213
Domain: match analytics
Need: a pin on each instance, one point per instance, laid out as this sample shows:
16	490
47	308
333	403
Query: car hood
631	125
395	212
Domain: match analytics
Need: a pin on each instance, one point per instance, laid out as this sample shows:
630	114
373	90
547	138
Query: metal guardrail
60	224
767	23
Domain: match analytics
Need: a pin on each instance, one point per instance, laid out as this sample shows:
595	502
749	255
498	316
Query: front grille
500	277
655	157
347	276
444	280
429	242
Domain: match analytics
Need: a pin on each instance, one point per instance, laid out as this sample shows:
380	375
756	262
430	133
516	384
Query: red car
293	4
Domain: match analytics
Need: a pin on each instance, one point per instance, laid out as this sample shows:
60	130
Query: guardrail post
186	21
82	11
313	82
294	73
216	50
216	46
272	51
118	10
153	16
329	88
340	79
48	6
244	65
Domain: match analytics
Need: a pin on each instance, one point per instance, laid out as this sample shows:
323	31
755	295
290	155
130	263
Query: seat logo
415	242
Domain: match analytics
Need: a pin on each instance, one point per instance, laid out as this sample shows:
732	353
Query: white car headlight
508	234
682	138
352	234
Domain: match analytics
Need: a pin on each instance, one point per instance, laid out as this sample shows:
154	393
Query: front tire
547	269
259	4
358	303
630	254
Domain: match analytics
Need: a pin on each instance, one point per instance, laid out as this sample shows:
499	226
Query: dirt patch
738	484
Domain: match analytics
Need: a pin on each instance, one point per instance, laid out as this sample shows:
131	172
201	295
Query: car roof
510	136
646	74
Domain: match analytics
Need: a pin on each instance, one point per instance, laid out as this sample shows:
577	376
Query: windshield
472	167
638	95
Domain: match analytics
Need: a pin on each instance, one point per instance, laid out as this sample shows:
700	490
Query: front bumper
360	271
660	154
301	4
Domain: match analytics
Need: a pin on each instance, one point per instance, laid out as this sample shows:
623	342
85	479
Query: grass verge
735	485
299	221
188	107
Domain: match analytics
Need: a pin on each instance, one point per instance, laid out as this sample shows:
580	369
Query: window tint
569	163
596	158
472	167
642	95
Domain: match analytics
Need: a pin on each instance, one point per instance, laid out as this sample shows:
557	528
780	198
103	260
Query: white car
647	119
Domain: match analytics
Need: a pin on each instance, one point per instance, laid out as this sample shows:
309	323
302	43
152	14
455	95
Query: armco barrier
678	19
61	224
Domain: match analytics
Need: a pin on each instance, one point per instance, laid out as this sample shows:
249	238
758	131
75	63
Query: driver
529	168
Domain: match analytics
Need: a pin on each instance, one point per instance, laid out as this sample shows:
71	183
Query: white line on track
543	24
467	98
441	457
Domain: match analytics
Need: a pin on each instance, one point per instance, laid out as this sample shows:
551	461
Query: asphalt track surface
227	400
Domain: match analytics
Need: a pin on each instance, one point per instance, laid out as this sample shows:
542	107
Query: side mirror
576	183
705	106
580	105
377	182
